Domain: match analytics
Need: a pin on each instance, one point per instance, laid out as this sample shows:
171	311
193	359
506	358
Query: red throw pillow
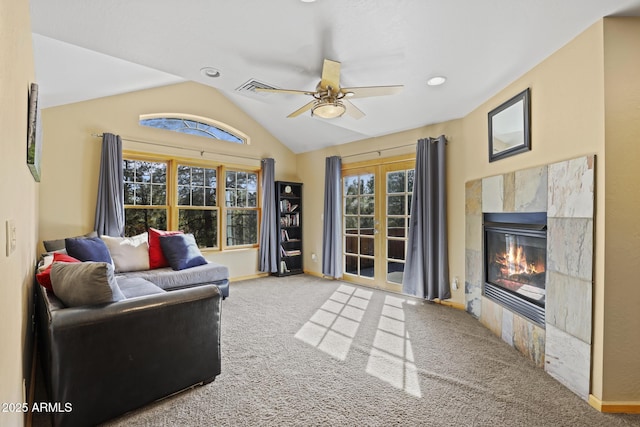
156	256
44	278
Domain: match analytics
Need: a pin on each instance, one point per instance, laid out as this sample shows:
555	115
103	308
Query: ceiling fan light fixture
328	110
436	80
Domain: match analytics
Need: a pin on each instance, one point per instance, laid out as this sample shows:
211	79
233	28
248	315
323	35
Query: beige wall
18	193
621	323
72	155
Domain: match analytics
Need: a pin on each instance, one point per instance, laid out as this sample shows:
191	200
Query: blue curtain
332	225
426	273
267	252
110	204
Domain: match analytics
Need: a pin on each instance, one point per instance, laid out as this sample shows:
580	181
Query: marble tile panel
507	327
571	188
568	360
473	267
529	339
493	194
509	184
531	190
570	246
473	232
473	197
569	305
473	299
492	316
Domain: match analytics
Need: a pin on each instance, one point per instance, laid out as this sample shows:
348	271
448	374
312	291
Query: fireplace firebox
515	260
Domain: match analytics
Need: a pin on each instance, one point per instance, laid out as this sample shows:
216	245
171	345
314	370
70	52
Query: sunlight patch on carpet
334	325
391	357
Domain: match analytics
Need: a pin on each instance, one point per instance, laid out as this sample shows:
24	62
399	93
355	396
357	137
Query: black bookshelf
289	207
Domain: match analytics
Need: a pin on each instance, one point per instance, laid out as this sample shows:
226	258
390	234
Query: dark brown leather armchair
102	361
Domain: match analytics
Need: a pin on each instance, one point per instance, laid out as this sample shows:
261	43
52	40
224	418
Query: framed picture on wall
34	133
510	127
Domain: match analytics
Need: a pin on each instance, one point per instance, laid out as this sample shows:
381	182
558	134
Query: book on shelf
286	206
289	252
290	220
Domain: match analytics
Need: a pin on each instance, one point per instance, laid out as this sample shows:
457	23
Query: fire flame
514	261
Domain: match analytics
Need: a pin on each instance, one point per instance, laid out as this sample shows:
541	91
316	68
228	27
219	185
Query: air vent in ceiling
249	88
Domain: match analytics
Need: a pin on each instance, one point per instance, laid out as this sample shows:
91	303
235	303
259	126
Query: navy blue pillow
181	251
87	249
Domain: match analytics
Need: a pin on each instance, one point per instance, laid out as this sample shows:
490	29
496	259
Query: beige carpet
301	351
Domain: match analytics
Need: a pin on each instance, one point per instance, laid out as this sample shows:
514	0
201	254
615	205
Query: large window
145	196
241	200
194	125
178	195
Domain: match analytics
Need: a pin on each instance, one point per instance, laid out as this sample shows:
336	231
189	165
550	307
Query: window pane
395	271
143	194
210	197
351	206
396	227
367	184
241	180
192	127
210	177
395	249
351	224
366	246
242	227
242	198
197	176
195	185
138	221
366	205
158	195
197	196
351	264
395	182
351	185
231	179
252	181
203	223
366	267
184	195
351	244
145	183
230	198
184	175
252	199
395	205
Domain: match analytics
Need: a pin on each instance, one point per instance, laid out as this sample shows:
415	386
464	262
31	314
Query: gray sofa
101	361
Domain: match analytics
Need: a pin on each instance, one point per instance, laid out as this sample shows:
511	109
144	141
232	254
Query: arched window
194	125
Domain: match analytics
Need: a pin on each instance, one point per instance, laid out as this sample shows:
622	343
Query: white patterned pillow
128	253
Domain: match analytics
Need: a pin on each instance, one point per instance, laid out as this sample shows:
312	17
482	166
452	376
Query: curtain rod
99	135
389	148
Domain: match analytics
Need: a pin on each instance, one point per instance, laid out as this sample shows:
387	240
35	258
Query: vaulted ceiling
89	49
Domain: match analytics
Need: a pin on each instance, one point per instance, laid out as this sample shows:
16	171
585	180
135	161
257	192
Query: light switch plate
11	236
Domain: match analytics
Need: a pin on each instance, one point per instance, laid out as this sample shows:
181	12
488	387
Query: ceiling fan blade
295	92
330	74
365	92
352	110
302	109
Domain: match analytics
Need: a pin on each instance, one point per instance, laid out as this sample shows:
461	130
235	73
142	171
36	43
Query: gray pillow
56	245
85	283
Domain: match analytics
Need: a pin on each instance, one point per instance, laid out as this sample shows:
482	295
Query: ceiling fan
329	99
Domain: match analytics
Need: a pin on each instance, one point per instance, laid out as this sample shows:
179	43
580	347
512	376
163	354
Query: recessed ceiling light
307	1
210	72
436	81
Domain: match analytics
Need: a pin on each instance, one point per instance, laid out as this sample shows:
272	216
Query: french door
376	201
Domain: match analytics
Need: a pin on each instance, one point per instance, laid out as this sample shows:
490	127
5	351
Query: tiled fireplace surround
565	190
